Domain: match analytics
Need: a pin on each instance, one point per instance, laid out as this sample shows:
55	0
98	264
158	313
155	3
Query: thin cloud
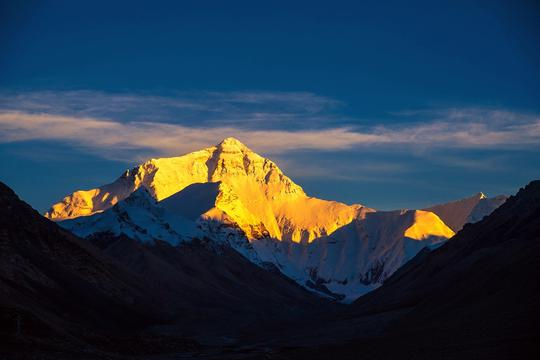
138	126
255	109
163	138
104	136
473	133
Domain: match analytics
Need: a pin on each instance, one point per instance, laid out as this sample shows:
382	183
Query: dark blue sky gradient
373	57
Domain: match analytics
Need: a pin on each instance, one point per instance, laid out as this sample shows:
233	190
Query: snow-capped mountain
175	220
253	193
359	256
61	292
138	217
457	213
234	196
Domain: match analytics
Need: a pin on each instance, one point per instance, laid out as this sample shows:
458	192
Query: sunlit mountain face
234	196
250	191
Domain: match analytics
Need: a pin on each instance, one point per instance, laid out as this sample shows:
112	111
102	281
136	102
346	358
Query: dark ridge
476	297
108	296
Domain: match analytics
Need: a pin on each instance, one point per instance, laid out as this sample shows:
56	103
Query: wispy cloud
490	130
260	109
104	136
111	125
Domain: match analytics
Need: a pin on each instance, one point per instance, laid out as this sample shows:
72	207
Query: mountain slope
359	256
54	285
476	297
248	203
176	220
457	213
210	291
354	259
253	193
138	217
65	295
499	244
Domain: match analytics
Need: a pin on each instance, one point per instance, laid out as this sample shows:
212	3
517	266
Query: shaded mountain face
61	293
351	261
475	297
210	291
237	198
52	284
482	261
359	256
457	213
138	217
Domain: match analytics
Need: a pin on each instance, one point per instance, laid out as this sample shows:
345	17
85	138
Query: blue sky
390	104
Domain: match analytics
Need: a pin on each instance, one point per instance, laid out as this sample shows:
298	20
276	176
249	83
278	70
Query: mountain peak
141	197
232	144
471	209
230	161
254	194
231	141
481	195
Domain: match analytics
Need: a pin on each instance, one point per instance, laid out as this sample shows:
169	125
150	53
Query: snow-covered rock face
138	217
253	193
359	256
230	194
142	218
457	213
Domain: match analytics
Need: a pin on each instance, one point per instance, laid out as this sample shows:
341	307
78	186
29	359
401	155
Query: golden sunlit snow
253	194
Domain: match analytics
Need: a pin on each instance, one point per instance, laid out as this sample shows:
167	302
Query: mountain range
114	297
218	254
457	213
476	297
232	195
61	294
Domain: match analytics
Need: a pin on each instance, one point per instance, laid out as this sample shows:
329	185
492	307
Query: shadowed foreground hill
55	291
211	292
477	297
62	297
